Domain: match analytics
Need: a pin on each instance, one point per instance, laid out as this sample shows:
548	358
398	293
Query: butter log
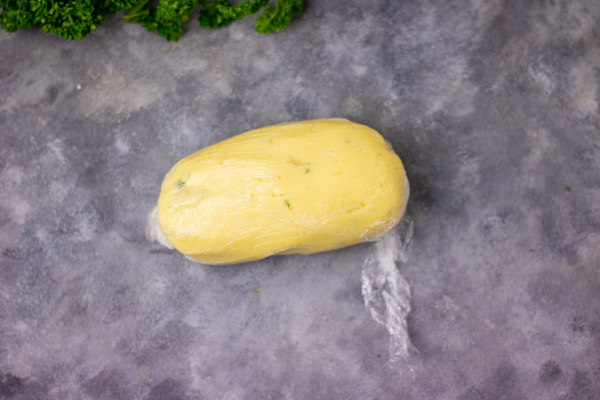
300	187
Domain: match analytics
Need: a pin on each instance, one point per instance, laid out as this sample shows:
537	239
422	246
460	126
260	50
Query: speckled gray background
493	107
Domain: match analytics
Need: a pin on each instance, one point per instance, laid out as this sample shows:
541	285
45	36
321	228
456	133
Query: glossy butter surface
300	187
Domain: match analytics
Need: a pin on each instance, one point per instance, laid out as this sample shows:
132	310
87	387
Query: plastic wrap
300	187
387	294
153	231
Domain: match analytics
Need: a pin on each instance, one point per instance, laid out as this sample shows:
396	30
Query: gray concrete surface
493	107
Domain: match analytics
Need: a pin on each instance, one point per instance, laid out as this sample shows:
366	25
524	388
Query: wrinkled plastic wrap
153	231
387	294
301	187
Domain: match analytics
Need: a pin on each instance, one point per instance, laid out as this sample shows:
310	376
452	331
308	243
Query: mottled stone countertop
492	106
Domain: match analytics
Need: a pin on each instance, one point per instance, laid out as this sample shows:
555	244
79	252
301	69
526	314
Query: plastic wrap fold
387	294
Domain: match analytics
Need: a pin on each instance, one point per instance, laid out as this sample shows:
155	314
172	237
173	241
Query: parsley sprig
75	19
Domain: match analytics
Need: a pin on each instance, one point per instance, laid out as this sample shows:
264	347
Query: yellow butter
300	187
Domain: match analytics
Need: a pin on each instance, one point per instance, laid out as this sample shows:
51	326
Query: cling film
300	187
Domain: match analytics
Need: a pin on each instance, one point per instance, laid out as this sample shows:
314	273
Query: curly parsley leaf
166	19
220	13
277	18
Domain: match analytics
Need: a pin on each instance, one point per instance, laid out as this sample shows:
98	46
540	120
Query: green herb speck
180	184
306	170
287	203
568	188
